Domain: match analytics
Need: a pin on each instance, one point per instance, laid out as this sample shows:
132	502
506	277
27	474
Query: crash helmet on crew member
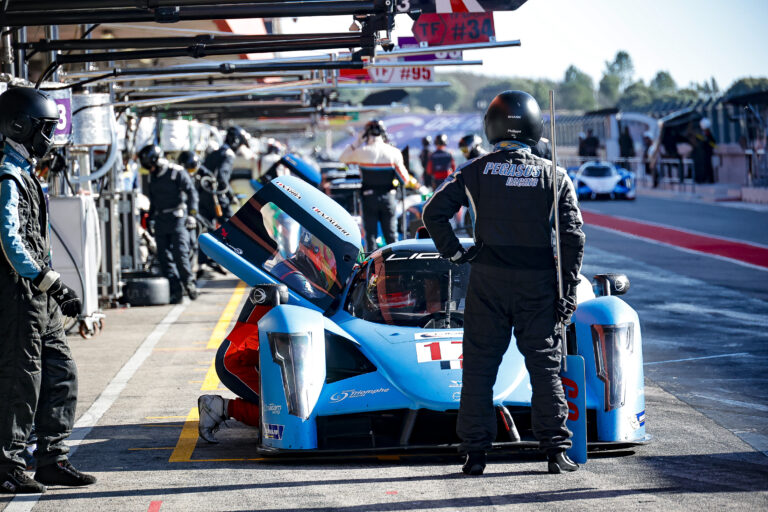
189	160
469	142
441	140
149	156
375	128
513	115
29	117
273	146
426	141
235	137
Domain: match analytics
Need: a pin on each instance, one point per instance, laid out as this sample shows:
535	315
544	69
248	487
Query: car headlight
302	366
613	345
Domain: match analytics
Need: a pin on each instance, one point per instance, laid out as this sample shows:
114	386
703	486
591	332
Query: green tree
447	97
747	85
636	97
662	83
622	67
577	91
608	90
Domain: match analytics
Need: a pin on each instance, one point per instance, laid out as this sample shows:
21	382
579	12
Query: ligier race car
367	354
603	180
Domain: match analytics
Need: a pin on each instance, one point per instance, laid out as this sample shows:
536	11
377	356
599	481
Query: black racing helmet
29	116
149	156
235	137
441	140
426	141
513	115
470	141
189	160
375	128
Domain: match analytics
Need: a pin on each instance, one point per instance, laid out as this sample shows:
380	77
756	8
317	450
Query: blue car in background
366	354
603	180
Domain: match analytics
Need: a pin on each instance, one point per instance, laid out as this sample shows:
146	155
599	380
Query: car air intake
343	359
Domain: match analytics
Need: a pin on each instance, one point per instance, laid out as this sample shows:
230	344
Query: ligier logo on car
272	431
354	393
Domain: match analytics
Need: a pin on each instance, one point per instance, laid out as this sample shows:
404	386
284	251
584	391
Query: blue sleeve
11	242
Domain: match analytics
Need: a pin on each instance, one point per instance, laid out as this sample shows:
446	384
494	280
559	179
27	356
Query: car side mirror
610	284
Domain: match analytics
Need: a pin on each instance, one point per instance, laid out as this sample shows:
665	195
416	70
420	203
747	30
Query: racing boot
213	412
18	482
558	462
191	290
474	463
217	268
63	473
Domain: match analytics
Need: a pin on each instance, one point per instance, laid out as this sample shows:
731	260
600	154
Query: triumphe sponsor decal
273	408
330	219
355	393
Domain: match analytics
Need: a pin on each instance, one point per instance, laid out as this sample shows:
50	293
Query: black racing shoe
18	482
474	463
192	291
63	473
558	462
217	268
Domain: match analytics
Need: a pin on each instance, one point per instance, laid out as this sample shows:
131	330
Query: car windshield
407	289
298	258
597	171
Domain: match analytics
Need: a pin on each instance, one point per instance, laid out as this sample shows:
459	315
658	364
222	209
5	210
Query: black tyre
142	289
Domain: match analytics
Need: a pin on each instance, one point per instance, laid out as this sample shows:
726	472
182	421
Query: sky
692	39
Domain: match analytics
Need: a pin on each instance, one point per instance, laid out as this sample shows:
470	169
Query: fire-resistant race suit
38	378
219	163
440	165
173	199
512	283
380	165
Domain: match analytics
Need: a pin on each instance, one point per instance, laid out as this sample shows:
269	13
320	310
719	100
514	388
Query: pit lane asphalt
700	457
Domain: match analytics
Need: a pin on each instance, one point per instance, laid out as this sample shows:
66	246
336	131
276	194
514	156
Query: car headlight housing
613	346
301	362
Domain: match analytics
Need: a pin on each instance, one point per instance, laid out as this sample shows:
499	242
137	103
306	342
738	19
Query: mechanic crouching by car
513	282
381	166
173	206
38	378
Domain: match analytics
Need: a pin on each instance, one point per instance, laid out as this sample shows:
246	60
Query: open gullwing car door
289	232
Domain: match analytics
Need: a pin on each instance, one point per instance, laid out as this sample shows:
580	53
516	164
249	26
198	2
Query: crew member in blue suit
38	378
382	166
513	282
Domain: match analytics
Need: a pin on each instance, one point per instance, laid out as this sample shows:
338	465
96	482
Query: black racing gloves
50	282
565	308
467	256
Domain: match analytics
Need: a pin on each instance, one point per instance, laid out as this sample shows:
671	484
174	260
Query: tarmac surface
704	332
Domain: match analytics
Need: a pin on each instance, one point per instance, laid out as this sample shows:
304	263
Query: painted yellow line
157	448
388	457
185	446
211	381
220	331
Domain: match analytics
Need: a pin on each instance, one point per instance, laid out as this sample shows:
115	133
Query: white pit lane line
86	422
735	354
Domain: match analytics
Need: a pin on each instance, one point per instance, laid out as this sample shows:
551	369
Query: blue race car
366	354
603	180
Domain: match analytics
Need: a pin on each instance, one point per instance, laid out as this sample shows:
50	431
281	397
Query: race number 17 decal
448	352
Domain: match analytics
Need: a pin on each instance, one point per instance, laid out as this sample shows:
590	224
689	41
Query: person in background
426	142
173	207
703	151
470	146
272	155
220	163
441	163
38	378
591	144
582	149
382	168
650	169
626	147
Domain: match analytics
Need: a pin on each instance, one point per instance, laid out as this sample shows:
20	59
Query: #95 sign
416	74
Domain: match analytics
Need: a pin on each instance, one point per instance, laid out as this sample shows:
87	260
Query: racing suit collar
18	155
512	145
